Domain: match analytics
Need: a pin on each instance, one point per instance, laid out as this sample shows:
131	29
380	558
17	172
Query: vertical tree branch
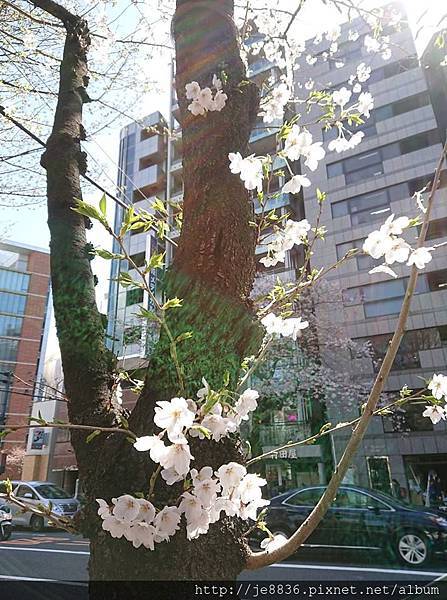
263	559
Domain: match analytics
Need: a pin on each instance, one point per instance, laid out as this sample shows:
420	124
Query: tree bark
213	272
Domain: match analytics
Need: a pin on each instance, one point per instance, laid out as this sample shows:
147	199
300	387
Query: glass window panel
306	497
361	161
13	260
13	281
8	349
370	171
12	303
10	326
340	209
335	169
383	307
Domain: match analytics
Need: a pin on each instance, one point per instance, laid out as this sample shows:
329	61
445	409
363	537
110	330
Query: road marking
362	569
20	578
44	550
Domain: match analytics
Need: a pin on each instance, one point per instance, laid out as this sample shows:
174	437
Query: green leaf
321	196
91	436
156	261
148	314
184	336
103	205
103	253
127	281
206	432
87	210
172	303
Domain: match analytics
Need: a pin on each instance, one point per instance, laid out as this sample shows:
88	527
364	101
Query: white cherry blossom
173	416
294	185
147	510
246	403
397	251
206	491
363	72
177	457
192	90
126	507
435	413
420	257
171	476
166	523
230	475
141	533
272	543
104	509
438	386
341	96
365	104
249	489
218	425
116	527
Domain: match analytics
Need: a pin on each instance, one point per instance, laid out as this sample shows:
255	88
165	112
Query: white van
43	493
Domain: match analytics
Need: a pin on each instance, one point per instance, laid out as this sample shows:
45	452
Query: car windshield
51	492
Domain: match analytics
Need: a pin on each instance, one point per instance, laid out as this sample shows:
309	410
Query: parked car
5	522
41	493
363	519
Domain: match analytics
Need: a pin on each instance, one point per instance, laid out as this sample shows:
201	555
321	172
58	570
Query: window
12	303
10	326
401	106
369	164
13	281
13	260
437	229
385	298
138	259
306	497
134	296
8	349
363	261
437	280
443	335
23	490
407	356
352	499
370	207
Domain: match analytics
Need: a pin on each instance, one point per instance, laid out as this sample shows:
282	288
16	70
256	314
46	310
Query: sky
28	224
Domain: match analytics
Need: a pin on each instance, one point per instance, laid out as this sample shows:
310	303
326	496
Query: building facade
397	157
24	322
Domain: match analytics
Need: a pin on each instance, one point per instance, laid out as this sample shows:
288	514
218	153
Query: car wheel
36	523
413	548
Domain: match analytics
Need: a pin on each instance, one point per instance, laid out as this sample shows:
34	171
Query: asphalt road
57	556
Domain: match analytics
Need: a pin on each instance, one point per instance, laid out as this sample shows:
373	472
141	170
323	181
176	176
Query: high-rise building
364	185
141	178
24	321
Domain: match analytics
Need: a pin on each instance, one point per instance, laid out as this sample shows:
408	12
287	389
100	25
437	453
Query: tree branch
258	560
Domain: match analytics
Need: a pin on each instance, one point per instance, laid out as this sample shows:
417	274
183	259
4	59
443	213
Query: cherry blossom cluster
362	107
203	99
250	169
137	520
273	109
438	388
385	243
292	234
292	328
230	490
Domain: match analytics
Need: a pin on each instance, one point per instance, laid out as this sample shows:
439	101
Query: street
58	556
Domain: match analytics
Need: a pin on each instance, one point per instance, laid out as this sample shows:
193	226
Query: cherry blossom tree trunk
213	272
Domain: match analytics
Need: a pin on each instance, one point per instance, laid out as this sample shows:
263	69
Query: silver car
41	493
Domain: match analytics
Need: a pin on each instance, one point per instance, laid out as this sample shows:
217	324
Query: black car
363	519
